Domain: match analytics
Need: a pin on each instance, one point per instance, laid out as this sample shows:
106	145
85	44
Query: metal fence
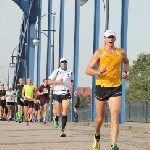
135	112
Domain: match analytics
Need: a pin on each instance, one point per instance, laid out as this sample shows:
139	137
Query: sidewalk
36	136
129	126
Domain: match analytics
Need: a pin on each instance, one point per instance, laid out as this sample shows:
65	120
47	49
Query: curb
108	125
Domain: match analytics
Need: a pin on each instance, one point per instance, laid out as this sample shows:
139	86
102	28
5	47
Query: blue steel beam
31	35
48	60
124	27
24	5
30	15
31	51
39	46
23	30
61	30
95	47
33	11
76	54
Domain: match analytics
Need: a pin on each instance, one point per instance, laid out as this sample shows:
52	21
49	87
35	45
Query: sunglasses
64	61
2	85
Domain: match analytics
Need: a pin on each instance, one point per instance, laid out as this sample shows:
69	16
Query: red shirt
45	90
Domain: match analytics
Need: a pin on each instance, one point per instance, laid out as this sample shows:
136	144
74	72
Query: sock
56	118
20	114
64	121
97	137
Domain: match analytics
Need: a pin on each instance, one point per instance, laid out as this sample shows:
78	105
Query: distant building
85	91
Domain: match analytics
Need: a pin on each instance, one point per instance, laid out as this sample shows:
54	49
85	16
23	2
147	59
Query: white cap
10	86
63	59
108	33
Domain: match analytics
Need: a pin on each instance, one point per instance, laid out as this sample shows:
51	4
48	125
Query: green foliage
85	101
139	79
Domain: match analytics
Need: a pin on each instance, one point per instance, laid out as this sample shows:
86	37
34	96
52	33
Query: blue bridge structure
31	29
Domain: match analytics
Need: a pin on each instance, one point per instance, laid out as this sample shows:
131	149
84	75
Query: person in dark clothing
20	104
2	101
44	91
37	112
76	106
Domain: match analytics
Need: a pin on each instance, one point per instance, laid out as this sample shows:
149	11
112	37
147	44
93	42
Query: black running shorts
43	102
10	103
3	103
19	102
104	93
37	107
60	98
29	103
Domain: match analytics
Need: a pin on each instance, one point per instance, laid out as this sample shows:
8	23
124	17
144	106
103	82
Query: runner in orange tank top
108	60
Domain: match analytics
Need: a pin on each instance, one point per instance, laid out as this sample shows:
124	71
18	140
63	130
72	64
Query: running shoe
114	147
55	124
62	133
44	121
96	144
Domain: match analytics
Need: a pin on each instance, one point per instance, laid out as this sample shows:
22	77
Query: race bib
45	90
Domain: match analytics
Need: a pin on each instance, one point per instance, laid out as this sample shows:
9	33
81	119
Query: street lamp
81	2
12	64
36	40
107	14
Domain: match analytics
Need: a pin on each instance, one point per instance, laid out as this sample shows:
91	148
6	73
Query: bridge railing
135	112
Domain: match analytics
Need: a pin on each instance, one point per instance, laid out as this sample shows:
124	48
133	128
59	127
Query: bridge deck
17	136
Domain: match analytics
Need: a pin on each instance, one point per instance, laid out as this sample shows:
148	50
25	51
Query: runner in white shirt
10	102
61	79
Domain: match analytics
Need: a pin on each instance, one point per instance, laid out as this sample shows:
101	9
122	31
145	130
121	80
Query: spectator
76	106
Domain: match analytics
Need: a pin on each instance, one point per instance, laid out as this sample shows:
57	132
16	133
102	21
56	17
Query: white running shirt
67	77
9	96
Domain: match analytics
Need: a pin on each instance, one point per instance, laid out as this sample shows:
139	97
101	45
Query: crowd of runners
28	103
25	102
32	100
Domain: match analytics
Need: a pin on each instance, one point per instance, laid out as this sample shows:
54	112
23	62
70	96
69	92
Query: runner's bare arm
23	93
38	92
72	82
90	68
51	82
35	93
125	60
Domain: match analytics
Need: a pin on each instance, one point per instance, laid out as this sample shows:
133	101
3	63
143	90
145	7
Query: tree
139	79
85	101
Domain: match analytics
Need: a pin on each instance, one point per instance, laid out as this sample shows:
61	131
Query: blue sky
138	32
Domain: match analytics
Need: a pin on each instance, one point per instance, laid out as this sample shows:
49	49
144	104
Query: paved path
36	136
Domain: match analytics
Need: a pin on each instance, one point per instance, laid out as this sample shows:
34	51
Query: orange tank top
112	76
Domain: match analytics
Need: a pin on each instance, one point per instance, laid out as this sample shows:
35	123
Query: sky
137	42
